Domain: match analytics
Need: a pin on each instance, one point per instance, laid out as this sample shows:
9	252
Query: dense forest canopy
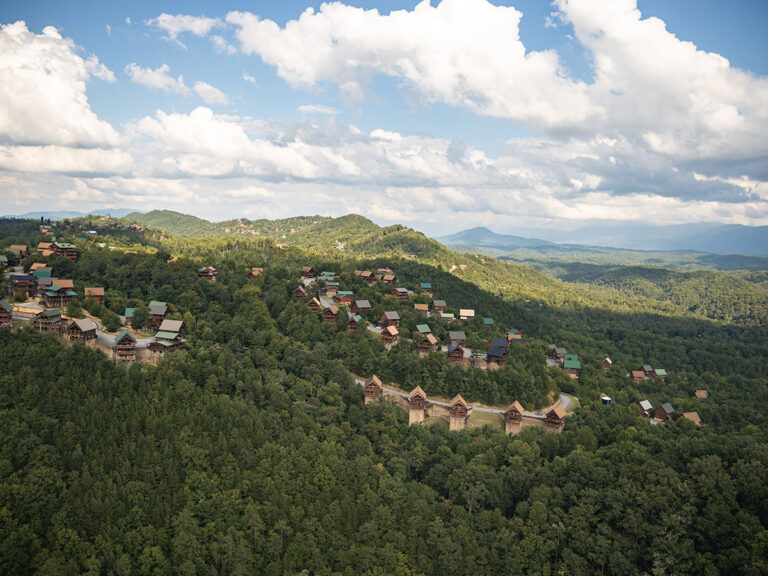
252	451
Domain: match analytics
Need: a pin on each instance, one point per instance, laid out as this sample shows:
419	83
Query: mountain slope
484	237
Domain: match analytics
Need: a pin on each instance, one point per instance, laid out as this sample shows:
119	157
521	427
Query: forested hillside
252	452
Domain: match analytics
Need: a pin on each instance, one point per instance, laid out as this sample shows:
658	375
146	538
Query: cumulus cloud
174	25
159	78
96	68
43	96
317	109
210	94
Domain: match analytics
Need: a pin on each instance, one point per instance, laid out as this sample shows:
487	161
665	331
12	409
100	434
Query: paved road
564	401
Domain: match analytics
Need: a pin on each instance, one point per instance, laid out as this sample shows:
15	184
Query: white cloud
128	20
43	91
221	45
109	30
174	25
210	94
317	109
248	78
96	68
63	159
159	78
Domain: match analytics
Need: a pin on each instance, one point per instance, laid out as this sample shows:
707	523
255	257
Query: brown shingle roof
559	412
458	400
417	392
94	291
63	283
701	394
516	405
374	380
693	417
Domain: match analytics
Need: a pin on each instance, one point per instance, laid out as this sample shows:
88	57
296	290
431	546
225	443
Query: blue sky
441	117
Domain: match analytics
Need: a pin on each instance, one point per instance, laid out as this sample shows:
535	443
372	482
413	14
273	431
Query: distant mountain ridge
710	237
62	214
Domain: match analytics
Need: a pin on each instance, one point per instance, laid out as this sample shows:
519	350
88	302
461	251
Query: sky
437	115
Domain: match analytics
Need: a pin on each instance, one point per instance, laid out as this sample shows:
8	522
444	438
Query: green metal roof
423	328
668	408
167	335
660	372
447	315
7	307
426	285
156	303
124	333
129	312
65	244
488	321
571	361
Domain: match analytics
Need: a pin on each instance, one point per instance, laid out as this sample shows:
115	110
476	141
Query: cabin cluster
646	372
458	411
568	362
665	412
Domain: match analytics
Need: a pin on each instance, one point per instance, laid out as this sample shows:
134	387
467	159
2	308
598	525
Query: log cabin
607	363
428	343
515	336
25	284
157	313
176	326
389	318
83	330
359	306
456	337
299	293
65	250
125	347
314	305
308	272
664	412
426	288
498	343
49	322
647	370
646	408
6	314
343	297
572	365
514	413
389	279
354	323
45	248
57	297
389	335
95	293
555	420
329	314
458	411
423	308
166	342
373	389
637	376
557	353
701	394
659	373
421	329
208	273
496	355
417	399
693	417
438	306
455	352
19	250
399	293
466	314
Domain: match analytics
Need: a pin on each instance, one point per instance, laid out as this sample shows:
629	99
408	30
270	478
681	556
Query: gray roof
158	310
171	325
645	405
647	368
668	408
85	324
7	307
453	347
457	335
362	304
499	342
496	352
391	315
439	303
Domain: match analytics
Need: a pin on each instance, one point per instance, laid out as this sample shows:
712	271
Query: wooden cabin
421	329
637	376
607	363
664	412
359	306
176	326
701	394
646	408
373	389
343	297
207	272
399	293
57	297
456	337
166	342
466	314
458	407
125	347
83	330
157	313
572	365
557	353
6	314
693	417
417	399
389	335
389	279
659	373
354	323
438	306
423	308
308	272
45	248
329	314
49	322
455	352
314	305
95	293
555	419
19	250
368	277
23	284
498	343
428	343
514	413
426	288
65	250
496	355
255	272
389	318
299	293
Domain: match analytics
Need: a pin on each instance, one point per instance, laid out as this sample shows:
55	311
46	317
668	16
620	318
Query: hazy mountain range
707	237
62	214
